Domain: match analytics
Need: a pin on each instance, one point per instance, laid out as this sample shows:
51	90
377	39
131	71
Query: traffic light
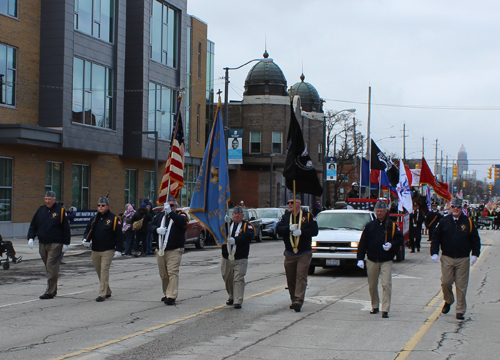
489	173
417	166
455	171
490	186
463	185
497	171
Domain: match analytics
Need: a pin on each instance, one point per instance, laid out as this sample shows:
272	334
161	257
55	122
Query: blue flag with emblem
212	192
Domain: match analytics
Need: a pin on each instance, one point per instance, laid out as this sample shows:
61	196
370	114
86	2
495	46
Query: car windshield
342	220
268	213
245	214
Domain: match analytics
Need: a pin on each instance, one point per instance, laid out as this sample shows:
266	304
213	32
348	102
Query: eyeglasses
291	202
101	205
455	207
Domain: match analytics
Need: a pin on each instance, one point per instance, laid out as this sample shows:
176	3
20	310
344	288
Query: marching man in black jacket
169	229
235	257
432	219
297	227
107	242
457	237
378	241
50	223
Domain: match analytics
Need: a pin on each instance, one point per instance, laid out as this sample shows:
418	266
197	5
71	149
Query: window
320	151
163	32
8	7
53	178
149	185
7	74
199	60
80	193
210	71
5	189
277	141
95	17
190	177
198	125
255	142
131	187
162	108
92	94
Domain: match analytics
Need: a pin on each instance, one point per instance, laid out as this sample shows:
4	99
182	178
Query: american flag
173	176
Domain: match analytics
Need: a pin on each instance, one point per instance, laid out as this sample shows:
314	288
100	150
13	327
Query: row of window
255	142
8	7
8	66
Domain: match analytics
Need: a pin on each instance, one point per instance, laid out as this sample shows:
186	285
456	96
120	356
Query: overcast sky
417	56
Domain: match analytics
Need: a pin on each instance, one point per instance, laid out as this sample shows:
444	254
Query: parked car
252	216
195	233
337	241
270	217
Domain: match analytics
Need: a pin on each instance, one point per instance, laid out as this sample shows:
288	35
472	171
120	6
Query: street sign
331	171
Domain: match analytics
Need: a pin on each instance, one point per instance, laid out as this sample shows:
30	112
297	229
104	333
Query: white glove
473	259
227	219
296	232
31	243
65	247
118	253
294	227
435	258
85	243
167	208
361	264
387	246
231	241
161	231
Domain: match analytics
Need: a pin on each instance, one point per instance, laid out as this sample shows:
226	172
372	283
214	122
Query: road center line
157	327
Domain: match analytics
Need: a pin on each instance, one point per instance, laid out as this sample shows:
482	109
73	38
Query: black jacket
108	233
432	219
242	241
456	240
139	214
374	236
416	219
309	229
50	225
177	236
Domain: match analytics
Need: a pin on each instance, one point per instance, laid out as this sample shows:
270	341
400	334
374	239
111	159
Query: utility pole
446	171
441	166
404	142
368	139
423	146
355	151
436	159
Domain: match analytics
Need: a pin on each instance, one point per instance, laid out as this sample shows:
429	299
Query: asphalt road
335	322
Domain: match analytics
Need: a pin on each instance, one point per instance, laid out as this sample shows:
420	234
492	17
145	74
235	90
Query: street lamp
325	152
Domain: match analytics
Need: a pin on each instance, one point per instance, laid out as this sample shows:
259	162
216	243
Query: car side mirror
252	218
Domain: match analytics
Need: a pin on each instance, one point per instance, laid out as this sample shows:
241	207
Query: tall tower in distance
462	162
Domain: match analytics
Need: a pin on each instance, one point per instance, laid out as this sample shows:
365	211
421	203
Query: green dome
309	97
265	78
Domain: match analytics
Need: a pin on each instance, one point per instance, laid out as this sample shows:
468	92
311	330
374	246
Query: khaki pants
374	270
233	273
102	262
168	265
51	256
296	267
455	271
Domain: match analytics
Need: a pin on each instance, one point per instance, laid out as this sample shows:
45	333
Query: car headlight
314	243
354	244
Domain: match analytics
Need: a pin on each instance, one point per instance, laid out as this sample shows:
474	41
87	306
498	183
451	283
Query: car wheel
310	270
200	243
259	237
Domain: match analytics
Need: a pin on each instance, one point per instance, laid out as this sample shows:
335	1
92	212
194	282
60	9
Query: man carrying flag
297	227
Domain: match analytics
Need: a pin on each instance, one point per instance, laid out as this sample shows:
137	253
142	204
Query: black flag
379	161
298	165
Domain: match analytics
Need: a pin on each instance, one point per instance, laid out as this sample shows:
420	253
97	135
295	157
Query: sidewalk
21	247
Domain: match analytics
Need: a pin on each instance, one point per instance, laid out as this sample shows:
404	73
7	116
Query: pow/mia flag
379	161
298	165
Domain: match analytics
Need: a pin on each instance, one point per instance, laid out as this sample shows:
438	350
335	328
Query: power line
424	107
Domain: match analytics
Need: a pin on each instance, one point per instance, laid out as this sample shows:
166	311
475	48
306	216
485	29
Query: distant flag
380	161
428	196
365	176
212	192
426	177
460	194
298	164
415	177
173	177
403	190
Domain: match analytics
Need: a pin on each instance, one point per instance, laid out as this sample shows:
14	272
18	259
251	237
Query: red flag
375	176
426	177
409	175
174	169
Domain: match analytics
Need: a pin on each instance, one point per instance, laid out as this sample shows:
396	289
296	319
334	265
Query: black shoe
446	308
412	251
99	299
291	307
229	302
17	260
170	301
296	307
374	311
460	316
164	299
63	263
418	250
46	296
385	314
108	296
237	306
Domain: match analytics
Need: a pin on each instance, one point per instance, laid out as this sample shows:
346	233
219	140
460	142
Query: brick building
82	80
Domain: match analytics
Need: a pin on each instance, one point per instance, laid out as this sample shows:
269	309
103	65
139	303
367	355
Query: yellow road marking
415	339
433	301
153	328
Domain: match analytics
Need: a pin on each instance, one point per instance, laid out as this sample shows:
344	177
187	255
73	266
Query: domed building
263	118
